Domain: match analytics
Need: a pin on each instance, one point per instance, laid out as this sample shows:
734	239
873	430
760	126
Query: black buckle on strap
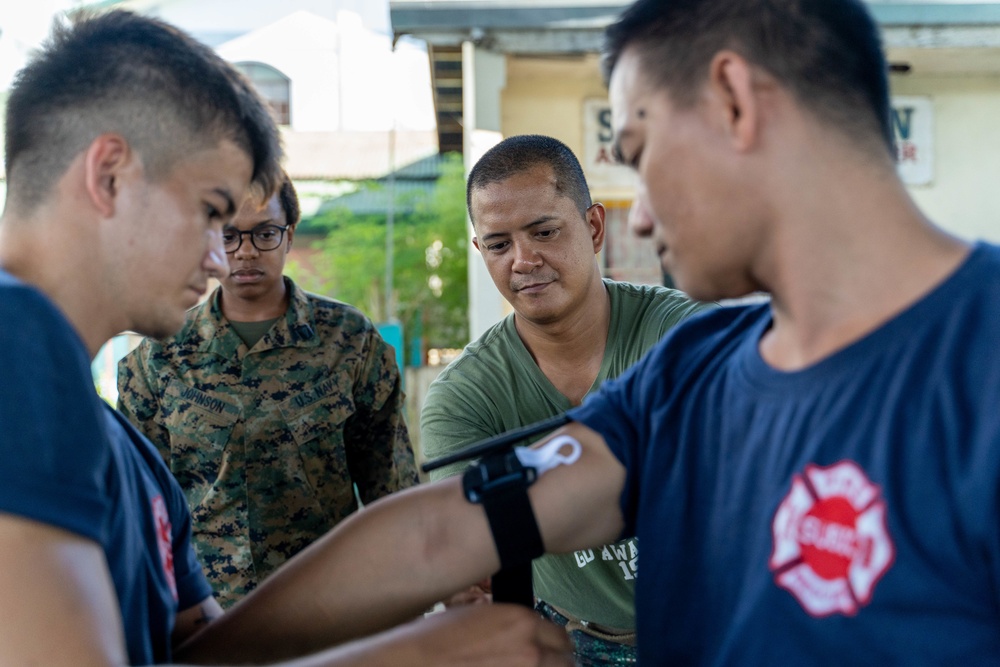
499	482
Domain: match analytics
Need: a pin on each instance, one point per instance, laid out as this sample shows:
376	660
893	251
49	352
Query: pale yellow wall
965	194
545	95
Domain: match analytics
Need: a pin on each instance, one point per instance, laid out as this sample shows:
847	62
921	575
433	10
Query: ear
105	162
475	243
731	82
595	218
290	234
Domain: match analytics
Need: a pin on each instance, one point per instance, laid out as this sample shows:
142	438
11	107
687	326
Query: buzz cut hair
519	153
118	72
827	53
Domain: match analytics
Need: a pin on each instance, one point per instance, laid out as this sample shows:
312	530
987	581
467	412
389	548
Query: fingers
470	596
551	641
499	635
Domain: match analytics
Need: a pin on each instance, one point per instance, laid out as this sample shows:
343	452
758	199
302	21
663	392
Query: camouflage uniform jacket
266	442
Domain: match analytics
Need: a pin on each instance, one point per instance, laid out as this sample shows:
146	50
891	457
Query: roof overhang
932	37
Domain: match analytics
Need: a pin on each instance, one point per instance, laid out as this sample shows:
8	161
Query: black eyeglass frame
253	241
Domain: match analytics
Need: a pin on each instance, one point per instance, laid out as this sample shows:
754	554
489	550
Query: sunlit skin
538	250
254	289
735	193
701	211
168	240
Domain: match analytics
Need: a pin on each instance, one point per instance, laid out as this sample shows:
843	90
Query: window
272	86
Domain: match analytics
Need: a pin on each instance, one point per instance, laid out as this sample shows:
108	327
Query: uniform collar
296	329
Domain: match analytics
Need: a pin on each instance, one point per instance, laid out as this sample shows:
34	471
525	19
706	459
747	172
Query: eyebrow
533	223
257	225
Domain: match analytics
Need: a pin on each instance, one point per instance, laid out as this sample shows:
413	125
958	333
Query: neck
841	265
268	306
569	351
61	264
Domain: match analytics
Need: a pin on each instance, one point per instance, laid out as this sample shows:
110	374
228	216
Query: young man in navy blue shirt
128	147
814	480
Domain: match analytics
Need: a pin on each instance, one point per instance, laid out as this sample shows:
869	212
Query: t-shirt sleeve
672	311
449	421
53	441
616	411
379	454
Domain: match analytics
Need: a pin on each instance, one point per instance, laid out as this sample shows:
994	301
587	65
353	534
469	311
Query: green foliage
430	263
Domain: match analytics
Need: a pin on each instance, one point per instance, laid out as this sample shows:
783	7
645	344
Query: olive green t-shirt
251	332
495	386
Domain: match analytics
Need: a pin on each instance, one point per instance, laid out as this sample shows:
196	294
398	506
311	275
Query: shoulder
710	337
151	354
643	292
489	352
962	312
131	440
190	337
332	314
473	378
982	268
30	308
664	301
36	337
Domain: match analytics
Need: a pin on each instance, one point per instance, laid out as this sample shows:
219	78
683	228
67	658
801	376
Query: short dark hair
516	154
166	93
289	201
828	53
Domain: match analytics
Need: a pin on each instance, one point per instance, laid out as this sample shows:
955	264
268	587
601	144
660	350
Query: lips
246	275
532	287
533	284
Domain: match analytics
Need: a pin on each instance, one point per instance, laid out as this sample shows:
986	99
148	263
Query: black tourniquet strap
500	483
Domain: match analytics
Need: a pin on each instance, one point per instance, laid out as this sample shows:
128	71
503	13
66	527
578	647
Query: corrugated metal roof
414	185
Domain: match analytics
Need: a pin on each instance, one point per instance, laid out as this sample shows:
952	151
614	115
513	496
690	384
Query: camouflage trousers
589	650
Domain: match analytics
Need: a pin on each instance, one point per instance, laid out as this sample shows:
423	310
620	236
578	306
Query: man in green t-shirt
539	234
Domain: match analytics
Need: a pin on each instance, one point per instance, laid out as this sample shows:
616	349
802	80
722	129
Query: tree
430	263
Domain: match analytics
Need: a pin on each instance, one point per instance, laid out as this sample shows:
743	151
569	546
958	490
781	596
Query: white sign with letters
912	121
603	173
913	130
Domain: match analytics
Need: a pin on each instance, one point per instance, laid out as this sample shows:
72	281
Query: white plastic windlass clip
550	455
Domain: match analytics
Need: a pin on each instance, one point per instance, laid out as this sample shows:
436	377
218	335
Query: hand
496	635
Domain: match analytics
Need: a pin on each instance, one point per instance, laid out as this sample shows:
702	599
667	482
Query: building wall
343	75
962	197
547	95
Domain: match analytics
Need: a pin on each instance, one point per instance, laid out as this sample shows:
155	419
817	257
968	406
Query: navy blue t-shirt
68	460
845	514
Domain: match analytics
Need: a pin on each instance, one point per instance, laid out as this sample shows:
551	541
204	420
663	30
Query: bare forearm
388	563
379	568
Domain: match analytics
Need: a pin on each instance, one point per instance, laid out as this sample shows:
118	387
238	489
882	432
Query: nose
247	248
640	222
215	263
526	259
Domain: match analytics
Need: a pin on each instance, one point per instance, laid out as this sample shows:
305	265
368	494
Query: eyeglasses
264	238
